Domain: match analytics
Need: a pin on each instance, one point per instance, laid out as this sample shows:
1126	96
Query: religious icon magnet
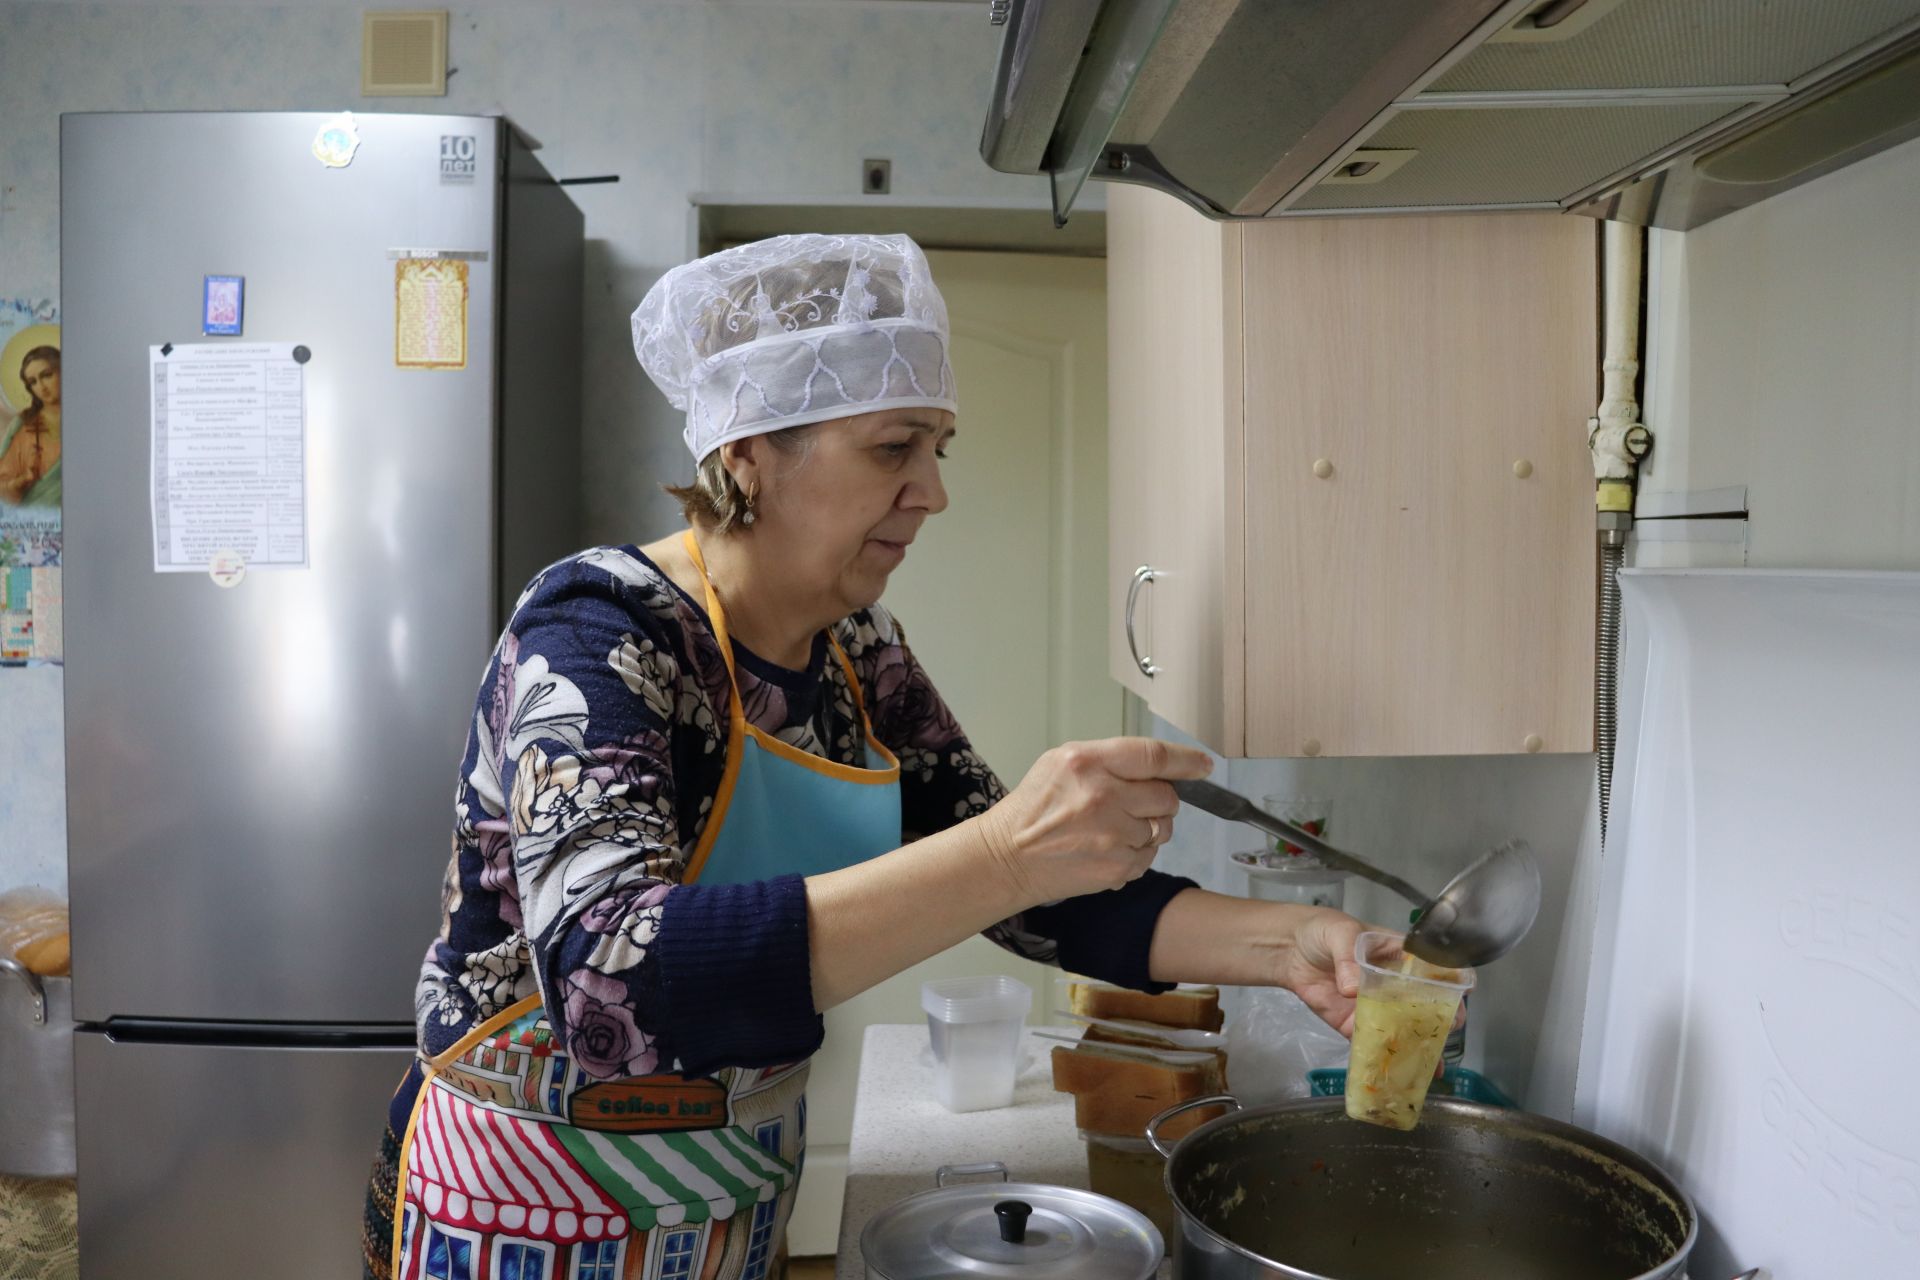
222	305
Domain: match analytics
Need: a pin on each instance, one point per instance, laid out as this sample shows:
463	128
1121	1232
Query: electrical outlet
876	177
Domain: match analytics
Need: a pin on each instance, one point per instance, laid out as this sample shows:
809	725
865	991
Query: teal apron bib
516	1166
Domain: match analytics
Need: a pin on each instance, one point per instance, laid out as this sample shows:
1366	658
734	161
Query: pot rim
1519	1119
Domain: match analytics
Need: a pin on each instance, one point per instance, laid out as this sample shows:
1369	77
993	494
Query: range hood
1663	112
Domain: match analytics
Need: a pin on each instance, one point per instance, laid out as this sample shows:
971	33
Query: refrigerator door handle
266	1035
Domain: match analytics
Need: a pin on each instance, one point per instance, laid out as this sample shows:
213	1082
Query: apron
515	1166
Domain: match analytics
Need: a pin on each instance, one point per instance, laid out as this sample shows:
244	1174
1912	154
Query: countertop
902	1135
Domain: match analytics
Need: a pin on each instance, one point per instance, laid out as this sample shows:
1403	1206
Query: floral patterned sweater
595	754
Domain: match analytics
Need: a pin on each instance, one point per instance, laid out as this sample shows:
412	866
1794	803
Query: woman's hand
1319	967
1089	816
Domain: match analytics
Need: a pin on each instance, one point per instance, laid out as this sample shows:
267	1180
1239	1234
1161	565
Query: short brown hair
714	501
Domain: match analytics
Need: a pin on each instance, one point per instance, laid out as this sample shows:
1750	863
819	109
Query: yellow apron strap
860	705
429	1069
736	710
717	616
736	720
400	1177
492	1026
853	681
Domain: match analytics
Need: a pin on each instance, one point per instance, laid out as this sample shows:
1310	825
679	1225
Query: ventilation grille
403	53
1537	156
1646	44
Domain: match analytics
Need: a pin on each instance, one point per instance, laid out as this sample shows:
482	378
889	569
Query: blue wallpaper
779	100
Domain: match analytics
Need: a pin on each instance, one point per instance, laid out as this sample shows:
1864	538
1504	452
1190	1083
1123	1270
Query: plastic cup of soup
1400	1024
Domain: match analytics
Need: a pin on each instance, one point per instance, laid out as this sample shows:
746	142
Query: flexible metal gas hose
1619	441
1606	670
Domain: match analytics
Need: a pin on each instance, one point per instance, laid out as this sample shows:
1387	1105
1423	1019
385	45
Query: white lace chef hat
793	330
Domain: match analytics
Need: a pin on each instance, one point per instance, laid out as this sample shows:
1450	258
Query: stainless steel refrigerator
260	774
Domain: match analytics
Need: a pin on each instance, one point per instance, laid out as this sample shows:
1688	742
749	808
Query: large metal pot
1297	1191
36	1096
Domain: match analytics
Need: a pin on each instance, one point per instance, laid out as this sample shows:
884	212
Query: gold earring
753	494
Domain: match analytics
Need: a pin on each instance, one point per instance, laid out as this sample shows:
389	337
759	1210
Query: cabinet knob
1323	467
1533	743
1522	468
1311	747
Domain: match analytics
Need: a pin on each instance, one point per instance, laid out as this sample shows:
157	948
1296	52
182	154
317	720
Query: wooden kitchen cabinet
1352	453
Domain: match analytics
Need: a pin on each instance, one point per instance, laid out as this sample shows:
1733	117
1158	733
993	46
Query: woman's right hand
1089	816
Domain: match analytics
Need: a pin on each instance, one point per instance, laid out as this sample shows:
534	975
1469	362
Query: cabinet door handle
1141	576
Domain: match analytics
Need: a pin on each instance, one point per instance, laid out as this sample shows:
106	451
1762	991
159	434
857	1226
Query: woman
687	817
30	446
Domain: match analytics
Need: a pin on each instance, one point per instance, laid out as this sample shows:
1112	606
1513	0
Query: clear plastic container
975	1026
1400	1025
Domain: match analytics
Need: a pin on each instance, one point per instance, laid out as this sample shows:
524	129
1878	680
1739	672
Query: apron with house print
516	1166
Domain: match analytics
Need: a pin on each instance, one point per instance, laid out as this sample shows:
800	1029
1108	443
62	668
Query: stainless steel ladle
1482	914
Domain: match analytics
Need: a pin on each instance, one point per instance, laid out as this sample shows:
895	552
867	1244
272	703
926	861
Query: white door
1003	600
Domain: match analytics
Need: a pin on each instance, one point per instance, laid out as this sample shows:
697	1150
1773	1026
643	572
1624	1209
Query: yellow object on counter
1400	1023
33	931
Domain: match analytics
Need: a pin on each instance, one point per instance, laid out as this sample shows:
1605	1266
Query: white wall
780	100
33	794
1784	354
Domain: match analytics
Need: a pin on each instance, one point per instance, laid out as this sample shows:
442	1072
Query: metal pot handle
1153	1125
967	1171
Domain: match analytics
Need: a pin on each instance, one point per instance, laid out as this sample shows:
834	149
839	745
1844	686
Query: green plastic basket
1456	1082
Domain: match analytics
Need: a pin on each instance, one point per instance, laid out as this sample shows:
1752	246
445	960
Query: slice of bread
1116	1094
1191	1008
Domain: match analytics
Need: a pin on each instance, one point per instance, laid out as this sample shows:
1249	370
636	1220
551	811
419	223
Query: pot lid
1024	1230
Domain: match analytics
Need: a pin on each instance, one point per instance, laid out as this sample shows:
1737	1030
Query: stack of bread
1126	1070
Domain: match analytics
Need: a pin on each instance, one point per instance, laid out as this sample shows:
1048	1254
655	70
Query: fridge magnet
430	313
336	142
226	567
221	305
